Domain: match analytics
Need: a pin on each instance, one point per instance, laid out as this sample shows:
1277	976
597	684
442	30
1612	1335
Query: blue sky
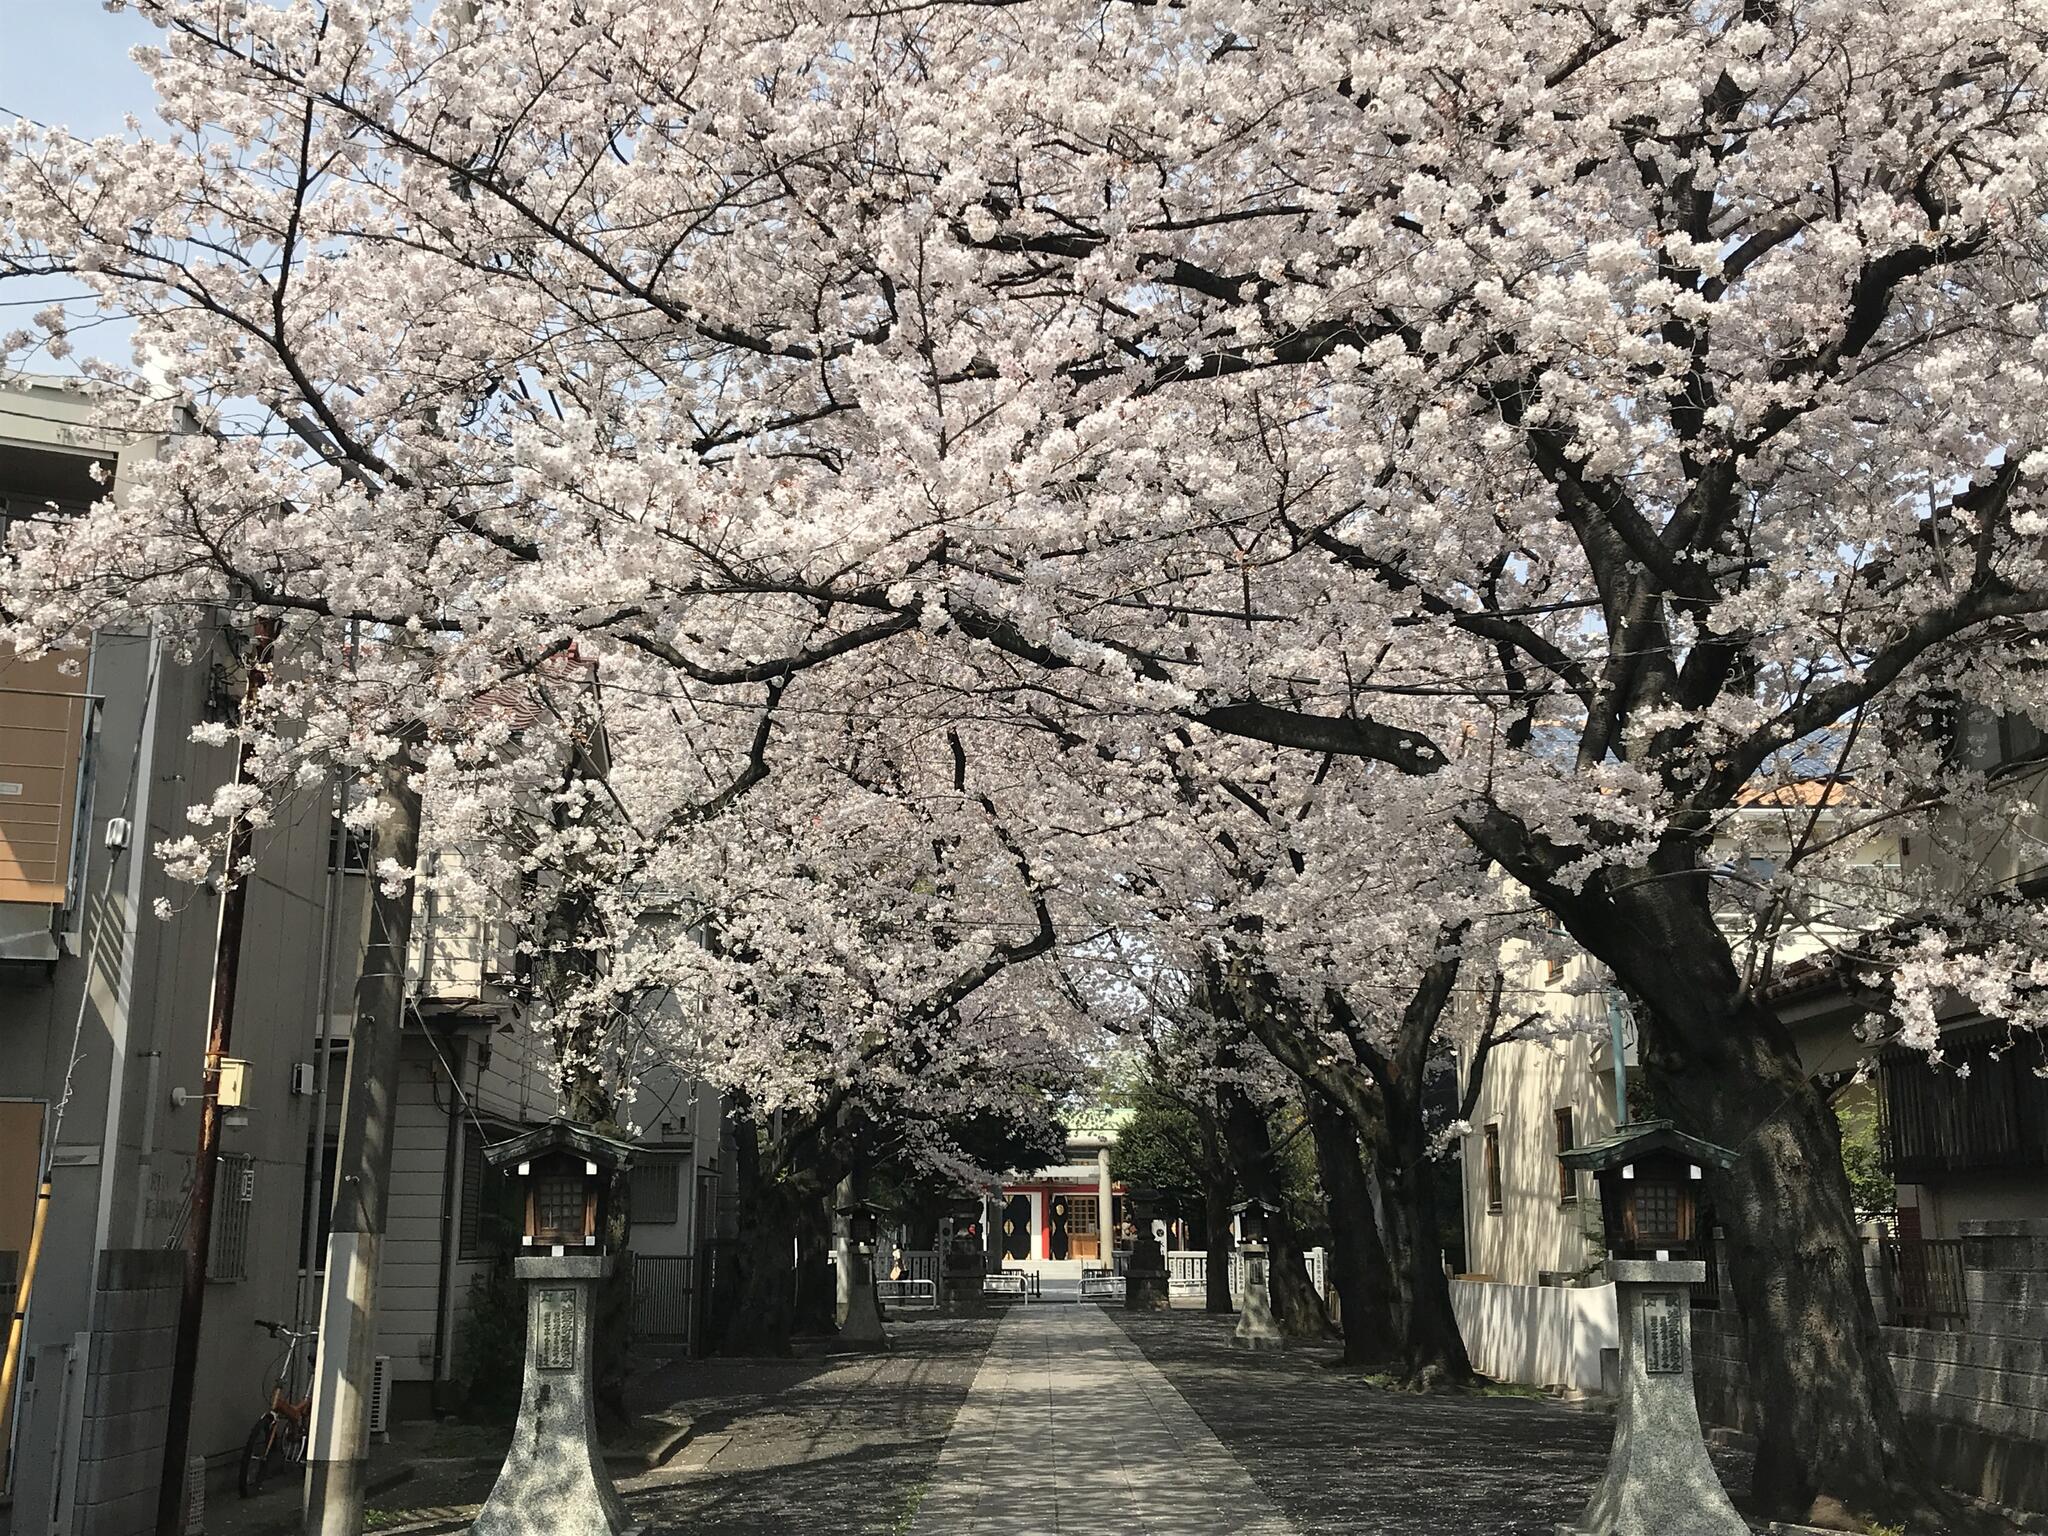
66	62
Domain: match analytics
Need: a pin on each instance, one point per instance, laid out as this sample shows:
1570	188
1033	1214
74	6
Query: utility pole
338	1459
337	886
227	967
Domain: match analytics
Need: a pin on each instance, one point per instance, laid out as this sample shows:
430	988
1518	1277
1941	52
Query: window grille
234	1198
559	1205
1493	1189
657	1191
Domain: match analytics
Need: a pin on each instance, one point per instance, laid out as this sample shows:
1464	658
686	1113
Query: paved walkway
1068	1428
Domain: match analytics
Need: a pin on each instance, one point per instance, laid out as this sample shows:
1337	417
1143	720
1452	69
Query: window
1567	1181
234	1196
491	1216
1553	970
657	1190
1493	1193
348	849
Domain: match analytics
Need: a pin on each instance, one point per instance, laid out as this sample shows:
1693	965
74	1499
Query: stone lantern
964	1262
1659	1482
554	1478
1145	1287
863	1326
1255	1326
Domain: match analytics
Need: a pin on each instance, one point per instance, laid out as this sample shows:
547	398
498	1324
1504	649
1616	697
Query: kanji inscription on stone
554	1347
1662	1334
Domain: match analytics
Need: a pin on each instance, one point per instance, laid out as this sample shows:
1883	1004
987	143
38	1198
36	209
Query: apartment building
103	1012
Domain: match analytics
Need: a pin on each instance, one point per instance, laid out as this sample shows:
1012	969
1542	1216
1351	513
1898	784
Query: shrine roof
1641	1139
559	1135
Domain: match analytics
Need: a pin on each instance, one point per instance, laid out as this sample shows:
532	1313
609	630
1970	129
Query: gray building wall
135	989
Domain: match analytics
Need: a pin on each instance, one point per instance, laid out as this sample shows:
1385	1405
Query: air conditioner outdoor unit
380	1396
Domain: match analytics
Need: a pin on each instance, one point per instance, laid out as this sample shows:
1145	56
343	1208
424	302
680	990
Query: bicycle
280	1435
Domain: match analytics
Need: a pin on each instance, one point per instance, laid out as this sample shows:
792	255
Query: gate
664	1298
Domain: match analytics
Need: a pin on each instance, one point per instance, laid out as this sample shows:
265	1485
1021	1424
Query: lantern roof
1256	1204
559	1135
1643	1138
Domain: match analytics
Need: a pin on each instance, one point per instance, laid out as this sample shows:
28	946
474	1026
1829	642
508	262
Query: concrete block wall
1979	1397
128	1388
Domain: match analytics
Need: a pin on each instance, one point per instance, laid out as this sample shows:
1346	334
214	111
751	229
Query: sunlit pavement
1069	1429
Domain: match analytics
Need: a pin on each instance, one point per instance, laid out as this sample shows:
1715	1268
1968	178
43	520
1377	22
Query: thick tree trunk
1218	1191
1725	1068
817	1289
1358	1255
1432	1345
763	1316
1296	1308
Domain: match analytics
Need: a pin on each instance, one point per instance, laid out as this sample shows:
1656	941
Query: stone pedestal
1145	1276
1255	1326
554	1481
863	1326
963	1285
1659	1481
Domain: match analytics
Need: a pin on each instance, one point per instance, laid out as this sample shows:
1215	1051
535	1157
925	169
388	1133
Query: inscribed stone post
1659	1481
554	1481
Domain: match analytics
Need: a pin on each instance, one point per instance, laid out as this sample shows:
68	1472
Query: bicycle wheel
256	1455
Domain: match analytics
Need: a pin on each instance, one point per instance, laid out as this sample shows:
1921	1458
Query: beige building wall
1546	1222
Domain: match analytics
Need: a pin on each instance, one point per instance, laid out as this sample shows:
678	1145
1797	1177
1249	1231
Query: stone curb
655	1456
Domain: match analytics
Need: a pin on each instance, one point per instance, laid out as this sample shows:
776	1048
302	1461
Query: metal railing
907	1293
1927	1277
1097	1281
919	1263
1007	1283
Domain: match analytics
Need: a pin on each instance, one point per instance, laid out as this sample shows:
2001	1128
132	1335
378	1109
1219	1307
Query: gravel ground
840	1446
1343	1458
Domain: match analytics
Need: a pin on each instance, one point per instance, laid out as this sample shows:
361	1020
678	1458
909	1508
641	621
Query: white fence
1537	1335
1187	1272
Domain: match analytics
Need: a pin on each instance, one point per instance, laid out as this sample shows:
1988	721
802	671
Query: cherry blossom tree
1573	411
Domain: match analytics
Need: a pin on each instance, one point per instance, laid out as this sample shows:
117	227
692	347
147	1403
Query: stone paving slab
1068	1428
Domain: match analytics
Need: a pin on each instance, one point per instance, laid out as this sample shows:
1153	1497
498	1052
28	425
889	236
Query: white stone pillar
1106	1235
554	1481
1659	1481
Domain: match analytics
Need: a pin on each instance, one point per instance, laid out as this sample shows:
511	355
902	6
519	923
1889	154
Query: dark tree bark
1358	1257
1296	1308
1218	1188
817	1291
763	1316
1380	1095
1433	1346
1725	1068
